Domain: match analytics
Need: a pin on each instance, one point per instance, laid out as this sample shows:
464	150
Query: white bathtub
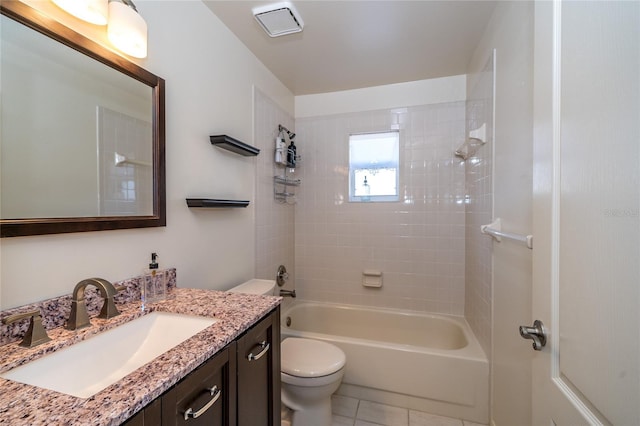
426	362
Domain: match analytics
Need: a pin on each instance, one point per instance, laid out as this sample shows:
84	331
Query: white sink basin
87	367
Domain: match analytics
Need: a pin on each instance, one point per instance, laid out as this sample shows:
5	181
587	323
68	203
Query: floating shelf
234	145
213	203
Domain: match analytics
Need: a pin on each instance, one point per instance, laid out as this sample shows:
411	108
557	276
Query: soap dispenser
366	189
154	286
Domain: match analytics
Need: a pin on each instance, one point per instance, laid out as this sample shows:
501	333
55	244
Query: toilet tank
256	286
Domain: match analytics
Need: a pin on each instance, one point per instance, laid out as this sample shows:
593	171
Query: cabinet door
151	415
258	366
206	396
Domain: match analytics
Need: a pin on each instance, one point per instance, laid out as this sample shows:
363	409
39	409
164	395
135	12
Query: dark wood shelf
214	203
234	145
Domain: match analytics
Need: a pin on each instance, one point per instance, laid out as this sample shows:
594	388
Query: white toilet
311	370
256	286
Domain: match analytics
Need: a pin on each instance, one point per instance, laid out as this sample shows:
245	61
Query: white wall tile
411	243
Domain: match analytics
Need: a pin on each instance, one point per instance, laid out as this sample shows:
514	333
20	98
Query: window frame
385	165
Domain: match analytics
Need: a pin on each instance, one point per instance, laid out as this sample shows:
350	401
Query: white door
586	212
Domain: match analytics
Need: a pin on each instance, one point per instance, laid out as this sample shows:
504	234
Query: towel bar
495	230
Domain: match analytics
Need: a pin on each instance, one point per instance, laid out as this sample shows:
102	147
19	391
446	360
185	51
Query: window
373	166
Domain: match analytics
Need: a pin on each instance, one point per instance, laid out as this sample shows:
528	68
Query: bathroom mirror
82	135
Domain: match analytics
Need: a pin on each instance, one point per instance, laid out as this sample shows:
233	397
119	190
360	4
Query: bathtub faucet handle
281	275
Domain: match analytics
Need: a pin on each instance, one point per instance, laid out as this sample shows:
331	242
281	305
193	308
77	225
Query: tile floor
353	412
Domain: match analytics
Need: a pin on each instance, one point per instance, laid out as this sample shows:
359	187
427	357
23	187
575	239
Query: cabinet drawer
206	396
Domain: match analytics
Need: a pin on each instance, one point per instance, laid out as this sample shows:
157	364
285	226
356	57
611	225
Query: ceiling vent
278	19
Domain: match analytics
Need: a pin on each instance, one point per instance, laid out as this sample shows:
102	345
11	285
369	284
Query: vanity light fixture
278	19
126	29
93	11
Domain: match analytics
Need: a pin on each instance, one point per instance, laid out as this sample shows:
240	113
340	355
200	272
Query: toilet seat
307	358
312	382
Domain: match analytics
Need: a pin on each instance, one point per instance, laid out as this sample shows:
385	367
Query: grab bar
495	230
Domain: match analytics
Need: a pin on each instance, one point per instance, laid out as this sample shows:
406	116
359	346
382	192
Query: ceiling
353	44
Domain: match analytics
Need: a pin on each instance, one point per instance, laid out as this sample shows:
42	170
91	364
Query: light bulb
127	30
93	11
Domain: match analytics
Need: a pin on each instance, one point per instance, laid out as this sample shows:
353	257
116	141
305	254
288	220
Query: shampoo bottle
291	156
280	147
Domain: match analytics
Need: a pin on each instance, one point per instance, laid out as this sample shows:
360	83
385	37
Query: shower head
281	129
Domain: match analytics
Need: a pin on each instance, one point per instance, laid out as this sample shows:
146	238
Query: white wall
510	32
209	90
413	93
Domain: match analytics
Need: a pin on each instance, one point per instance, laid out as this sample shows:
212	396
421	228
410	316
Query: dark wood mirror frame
39	226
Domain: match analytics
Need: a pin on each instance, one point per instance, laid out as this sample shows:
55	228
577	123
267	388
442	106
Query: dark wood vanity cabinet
150	415
238	386
258	365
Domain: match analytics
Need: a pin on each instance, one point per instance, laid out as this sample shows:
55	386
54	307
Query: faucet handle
36	334
281	275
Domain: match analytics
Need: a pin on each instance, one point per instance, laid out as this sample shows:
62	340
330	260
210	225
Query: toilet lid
310	358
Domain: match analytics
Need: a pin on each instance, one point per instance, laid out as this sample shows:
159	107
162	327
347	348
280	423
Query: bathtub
419	361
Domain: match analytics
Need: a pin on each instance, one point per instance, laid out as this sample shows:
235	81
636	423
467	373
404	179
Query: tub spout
288	293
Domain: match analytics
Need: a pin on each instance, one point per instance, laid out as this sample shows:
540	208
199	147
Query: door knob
537	333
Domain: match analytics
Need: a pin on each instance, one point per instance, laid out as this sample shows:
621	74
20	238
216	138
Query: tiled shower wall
274	220
479	208
417	243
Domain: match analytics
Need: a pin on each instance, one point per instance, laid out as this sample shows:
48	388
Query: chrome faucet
78	317
288	293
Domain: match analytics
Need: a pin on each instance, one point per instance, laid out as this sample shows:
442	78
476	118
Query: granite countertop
22	404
